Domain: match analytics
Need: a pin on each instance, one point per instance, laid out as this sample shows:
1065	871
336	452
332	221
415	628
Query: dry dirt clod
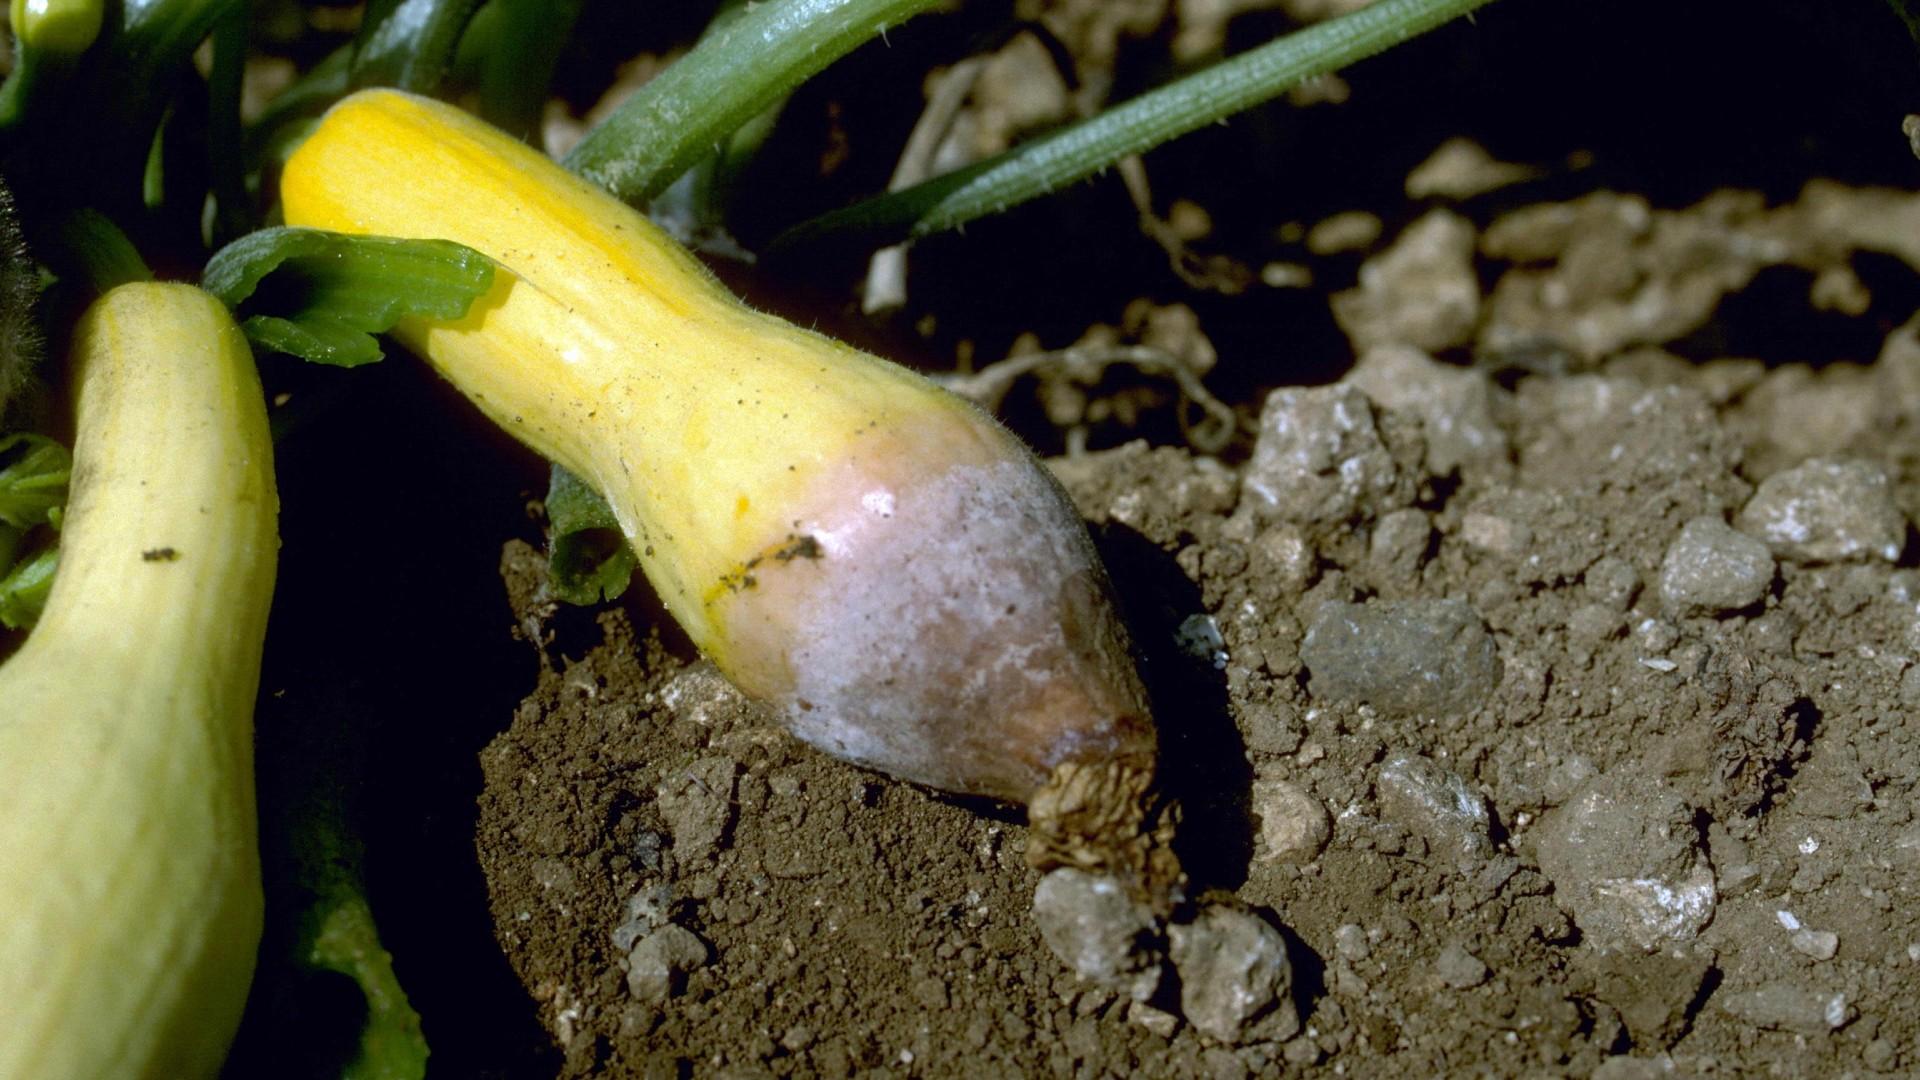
1712	569
1234	976
1430	658
1460	169
1459	968
1399	545
1349	230
1455	406
1099	930
1612	582
1827	510
1422	291
1321	460
658	965
697	802
1656	994
1625	860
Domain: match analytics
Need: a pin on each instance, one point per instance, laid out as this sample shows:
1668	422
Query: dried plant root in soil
878	559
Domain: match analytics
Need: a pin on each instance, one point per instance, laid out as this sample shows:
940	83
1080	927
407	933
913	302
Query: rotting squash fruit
130	897
879	560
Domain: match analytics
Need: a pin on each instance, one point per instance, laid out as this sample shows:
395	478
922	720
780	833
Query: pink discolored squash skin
937	612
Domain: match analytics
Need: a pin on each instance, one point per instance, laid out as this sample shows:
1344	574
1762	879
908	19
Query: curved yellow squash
877	558
130	904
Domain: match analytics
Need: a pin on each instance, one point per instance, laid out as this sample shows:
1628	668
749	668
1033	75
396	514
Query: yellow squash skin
130	905
879	560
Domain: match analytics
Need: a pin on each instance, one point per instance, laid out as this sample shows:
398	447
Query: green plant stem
410	43
233	213
517	45
1080	150
726	80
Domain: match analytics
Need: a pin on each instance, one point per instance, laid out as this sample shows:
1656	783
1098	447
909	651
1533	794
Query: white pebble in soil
1635	1068
1827	510
1235	980
1819	944
646	912
1712	569
1098	930
1294	827
1436	804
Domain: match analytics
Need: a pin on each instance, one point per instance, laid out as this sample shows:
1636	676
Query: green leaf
23	591
734	74
34	471
588	559
322	296
409	43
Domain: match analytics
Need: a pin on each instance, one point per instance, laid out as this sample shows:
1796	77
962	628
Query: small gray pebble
1783	1006
1098	930
1233	972
1827	510
1407	658
1712	569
